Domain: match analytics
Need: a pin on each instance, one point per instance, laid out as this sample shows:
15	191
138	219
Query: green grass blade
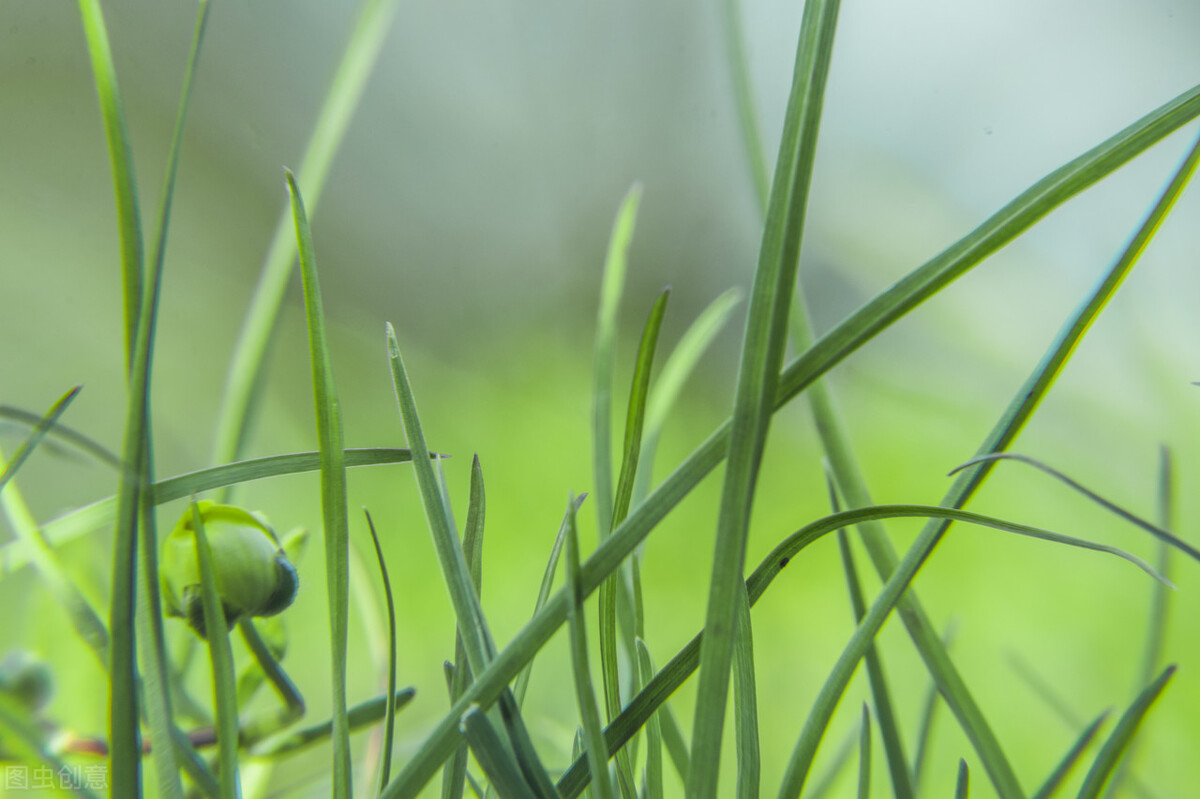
333	491
902	786
654	742
739	70
389	721
43	425
762	357
1114	748
337	110
129	219
616	264
674	374
1154	530
962	786
125	777
495	759
635	417
585	695
1001	228
745	702
293	709
823	786
61	434
522	683
1156	624
673	675
864	755
928	708
676	744
1063	769
221	655
364	714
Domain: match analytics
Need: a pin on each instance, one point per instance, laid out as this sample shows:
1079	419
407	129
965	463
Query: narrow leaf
1114	748
389	721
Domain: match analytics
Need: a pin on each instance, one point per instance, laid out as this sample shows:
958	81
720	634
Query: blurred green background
470	205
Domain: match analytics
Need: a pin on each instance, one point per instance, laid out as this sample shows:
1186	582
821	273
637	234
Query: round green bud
253	574
26	679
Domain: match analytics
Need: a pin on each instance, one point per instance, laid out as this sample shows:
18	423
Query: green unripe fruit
253	574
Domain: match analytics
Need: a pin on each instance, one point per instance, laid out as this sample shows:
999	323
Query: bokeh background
470	205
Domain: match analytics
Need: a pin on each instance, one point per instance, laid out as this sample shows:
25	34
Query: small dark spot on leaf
783	562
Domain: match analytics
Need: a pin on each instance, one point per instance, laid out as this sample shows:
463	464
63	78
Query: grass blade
62	434
585	695
739	70
1159	533
762	357
654	741
333	490
1002	227
961	787
1114	748
925	725
221	655
616	264
674	374
902	787
495	759
389	721
1063	769
36	435
337	110
27	741
864	755
364	714
745	702
822	787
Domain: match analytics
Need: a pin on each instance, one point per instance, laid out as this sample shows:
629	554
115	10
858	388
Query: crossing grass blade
902	787
1118	741
493	757
96	515
36	435
593	739
1063	769
364	714
673	675
1001	228
679	365
761	359
634	420
61	434
333	120
389	721
1162	535
333	490
654	742
221	656
1156	624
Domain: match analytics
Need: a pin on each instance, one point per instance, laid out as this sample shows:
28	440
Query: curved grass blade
864	755
389	721
333	491
925	725
585	695
493	757
902	787
337	110
1002	227
1063	769
1157	532
612	286
654	742
293	702
364	714
224	684
1114	748
94	516
675	371
66	435
758	375
37	434
672	676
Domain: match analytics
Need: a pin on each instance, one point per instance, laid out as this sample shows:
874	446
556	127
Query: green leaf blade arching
333	490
